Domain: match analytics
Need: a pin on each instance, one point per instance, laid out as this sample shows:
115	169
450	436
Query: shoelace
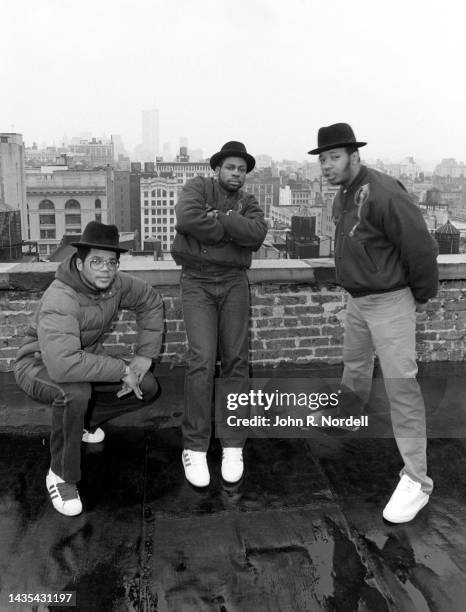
67	491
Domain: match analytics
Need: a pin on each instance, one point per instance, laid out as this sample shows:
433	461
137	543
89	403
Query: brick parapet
297	312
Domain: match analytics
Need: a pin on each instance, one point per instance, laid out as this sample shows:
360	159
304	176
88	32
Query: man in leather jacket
386	259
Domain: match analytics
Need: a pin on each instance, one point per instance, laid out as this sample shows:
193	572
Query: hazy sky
266	72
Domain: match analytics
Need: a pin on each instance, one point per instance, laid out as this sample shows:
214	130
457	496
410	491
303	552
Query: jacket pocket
370	258
360	255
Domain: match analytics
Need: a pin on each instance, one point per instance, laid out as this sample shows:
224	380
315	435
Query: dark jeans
76	406
216	316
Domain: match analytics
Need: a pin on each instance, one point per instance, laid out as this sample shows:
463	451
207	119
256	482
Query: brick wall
296	323
297	315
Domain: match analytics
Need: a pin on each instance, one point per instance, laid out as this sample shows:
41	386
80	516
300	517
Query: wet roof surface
302	531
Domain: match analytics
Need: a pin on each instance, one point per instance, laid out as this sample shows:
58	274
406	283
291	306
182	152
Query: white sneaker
64	495
195	467
93	437
406	501
232	464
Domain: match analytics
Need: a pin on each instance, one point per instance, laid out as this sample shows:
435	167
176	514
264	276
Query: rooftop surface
302	531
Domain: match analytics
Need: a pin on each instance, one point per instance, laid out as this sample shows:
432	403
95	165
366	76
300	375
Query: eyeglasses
97	263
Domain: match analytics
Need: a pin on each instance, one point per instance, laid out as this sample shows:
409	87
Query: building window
43	249
46	219
98	203
98	217
72	219
47	233
73	204
46	205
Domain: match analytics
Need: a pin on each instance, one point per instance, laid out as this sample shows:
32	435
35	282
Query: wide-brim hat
233	149
97	235
335	136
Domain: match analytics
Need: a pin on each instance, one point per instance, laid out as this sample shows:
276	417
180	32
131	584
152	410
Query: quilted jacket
72	318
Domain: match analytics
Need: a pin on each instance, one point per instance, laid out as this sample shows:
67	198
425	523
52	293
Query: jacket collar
359	179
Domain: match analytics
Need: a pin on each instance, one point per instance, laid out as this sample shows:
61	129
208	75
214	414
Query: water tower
448	238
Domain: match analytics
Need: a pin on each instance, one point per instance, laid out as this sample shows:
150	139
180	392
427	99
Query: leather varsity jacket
381	239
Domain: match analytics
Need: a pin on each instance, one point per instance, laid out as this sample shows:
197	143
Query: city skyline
86	138
256	73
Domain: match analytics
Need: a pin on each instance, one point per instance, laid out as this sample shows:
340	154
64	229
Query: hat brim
336	145
217	159
102	247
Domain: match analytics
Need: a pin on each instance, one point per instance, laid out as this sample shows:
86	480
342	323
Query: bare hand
123	391
130	383
140	365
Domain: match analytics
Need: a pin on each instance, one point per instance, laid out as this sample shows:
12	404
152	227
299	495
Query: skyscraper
150	133
13	176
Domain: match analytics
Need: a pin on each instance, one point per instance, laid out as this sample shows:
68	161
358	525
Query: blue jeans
76	406
386	323
216	315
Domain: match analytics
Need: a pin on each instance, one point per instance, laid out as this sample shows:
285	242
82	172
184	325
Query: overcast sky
267	72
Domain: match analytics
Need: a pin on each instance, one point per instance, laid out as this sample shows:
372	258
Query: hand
140	365
123	391
212	214
130	383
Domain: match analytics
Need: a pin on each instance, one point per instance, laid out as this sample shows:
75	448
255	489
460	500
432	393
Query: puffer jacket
72	318
381	239
228	240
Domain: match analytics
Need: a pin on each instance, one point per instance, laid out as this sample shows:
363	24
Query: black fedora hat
335	136
233	149
97	235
